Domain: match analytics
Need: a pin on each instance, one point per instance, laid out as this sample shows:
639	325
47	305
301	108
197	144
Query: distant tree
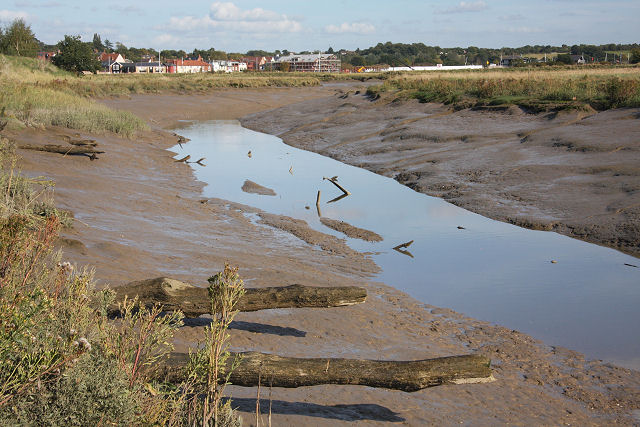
564	58
357	61
635	56
108	45
97	43
330	50
76	56
285	67
18	40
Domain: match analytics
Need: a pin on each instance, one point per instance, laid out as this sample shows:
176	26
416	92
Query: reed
537	89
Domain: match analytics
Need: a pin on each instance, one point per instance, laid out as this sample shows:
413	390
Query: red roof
104	57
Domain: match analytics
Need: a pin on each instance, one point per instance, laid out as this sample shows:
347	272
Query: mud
350	230
138	215
576	173
254	188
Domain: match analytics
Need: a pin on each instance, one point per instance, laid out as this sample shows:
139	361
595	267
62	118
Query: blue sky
240	25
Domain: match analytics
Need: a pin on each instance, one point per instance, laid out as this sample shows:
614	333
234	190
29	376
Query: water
587	301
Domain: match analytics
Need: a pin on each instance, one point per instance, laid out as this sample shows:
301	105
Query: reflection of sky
490	270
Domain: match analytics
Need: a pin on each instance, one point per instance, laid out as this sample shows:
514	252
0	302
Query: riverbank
572	172
140	215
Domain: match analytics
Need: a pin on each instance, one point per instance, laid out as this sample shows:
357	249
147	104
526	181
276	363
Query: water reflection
490	270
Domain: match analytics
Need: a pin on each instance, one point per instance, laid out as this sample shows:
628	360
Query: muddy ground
139	214
576	173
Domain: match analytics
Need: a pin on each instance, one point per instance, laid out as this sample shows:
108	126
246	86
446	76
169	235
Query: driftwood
61	149
318	204
403	245
184	159
334	181
292	372
194	301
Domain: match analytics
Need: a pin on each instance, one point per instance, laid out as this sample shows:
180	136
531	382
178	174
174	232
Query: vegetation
63	361
34	93
538	90
18	39
76	56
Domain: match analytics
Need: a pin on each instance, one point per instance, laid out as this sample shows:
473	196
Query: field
599	88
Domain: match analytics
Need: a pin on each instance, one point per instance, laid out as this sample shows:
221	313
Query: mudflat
573	172
139	215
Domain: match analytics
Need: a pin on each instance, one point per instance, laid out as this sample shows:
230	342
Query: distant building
578	59
109	59
509	60
46	56
150	67
314	63
188	66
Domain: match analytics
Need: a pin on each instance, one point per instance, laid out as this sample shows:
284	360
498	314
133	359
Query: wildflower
66	267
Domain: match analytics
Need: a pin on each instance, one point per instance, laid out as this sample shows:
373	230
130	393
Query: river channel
563	291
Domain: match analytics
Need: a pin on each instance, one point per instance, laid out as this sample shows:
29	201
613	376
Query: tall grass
599	88
30	97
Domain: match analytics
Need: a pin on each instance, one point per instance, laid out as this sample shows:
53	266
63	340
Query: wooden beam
193	301
293	372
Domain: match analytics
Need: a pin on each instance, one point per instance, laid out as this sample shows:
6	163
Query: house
254	63
578	59
313	63
228	66
123	67
46	56
509	60
188	66
108	59
150	67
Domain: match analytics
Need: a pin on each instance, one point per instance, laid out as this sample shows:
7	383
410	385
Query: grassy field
538	89
34	93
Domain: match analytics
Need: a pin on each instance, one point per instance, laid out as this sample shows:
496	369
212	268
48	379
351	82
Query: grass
63	361
600	88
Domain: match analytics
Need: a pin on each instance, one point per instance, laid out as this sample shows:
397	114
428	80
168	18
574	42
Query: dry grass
537	89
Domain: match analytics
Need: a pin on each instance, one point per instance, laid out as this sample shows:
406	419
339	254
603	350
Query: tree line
76	55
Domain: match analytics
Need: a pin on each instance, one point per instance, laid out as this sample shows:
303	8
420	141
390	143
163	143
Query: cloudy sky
240	25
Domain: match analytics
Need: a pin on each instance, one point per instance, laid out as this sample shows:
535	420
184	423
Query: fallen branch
194	301
318	204
298	372
334	181
184	159
403	245
61	149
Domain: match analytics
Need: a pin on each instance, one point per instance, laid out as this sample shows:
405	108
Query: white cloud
355	27
10	15
466	6
228	17
524	30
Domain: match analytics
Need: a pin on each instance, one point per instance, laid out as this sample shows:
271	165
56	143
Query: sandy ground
576	173
140	215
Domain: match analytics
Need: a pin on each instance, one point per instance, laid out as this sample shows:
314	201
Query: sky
297	25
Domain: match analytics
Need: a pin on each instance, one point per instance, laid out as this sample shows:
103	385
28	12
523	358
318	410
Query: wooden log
61	149
293	372
193	301
334	181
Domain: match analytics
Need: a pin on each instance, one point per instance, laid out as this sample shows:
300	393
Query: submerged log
61	149
293	372
194	301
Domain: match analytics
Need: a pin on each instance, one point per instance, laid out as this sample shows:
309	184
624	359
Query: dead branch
61	149
194	301
403	245
334	181
299	372
184	159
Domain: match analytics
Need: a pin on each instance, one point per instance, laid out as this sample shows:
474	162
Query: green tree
108	45
97	42
635	56
564	58
18	40
76	56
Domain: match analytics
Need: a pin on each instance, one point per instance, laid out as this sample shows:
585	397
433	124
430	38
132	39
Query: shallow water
587	301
